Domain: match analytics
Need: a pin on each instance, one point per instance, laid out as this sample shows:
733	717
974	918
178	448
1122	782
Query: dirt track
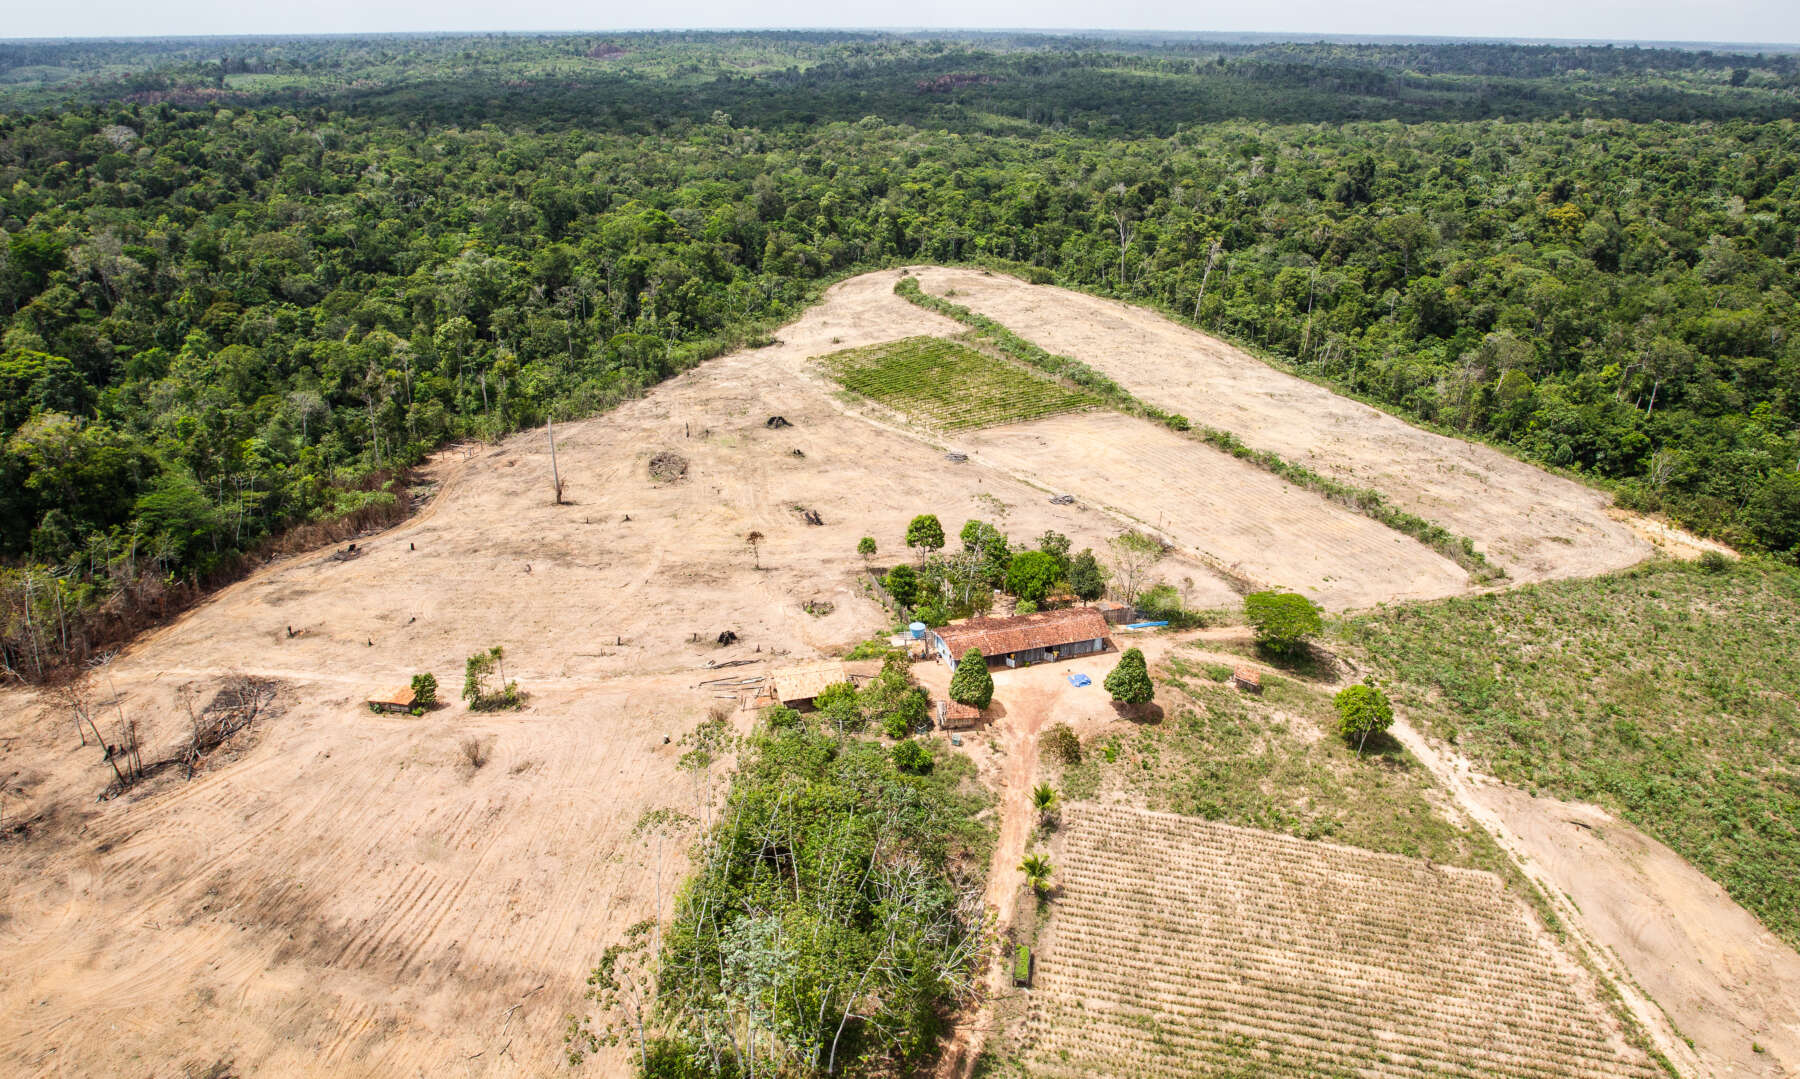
1534	524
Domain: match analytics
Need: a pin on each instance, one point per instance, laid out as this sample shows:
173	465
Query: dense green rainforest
245	283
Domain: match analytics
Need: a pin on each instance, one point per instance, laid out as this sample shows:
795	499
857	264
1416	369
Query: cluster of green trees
962	583
832	921
218	323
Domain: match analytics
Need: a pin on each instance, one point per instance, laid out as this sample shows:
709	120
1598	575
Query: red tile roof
1044	629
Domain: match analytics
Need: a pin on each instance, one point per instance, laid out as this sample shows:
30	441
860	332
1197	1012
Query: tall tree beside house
972	684
1129	682
1086	579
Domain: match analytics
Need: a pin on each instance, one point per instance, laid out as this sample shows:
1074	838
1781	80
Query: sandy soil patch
1227	512
1725	981
1534	524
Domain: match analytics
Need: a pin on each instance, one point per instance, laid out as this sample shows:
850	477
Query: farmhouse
797	686
1025	638
398	700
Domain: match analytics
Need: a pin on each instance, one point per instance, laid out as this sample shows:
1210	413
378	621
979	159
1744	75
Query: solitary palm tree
1043	799
1037	871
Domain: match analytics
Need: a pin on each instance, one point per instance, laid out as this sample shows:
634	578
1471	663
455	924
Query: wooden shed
1115	613
399	700
952	716
1248	679
796	687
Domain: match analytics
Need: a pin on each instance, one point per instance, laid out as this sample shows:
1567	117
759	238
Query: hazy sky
1641	20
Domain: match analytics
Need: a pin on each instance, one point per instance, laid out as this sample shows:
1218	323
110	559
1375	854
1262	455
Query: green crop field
948	385
1665	693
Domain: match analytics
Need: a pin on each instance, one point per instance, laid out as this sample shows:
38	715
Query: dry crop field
1533	524
947	384
1232	514
1180	947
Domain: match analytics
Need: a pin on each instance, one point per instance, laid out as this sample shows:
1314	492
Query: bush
476	691
780	717
1129	682
1025	606
912	756
1282	620
1162	603
972	684
1362	711
866	546
1062	744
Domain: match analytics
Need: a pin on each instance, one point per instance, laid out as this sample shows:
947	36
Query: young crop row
1183	947
948	385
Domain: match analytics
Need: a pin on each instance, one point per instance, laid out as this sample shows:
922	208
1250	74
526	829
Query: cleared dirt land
1231	513
337	892
1181	947
1533	524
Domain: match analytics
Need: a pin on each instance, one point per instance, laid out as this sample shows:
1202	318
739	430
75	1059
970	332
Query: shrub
1162	603
838	693
1362	711
1025	607
1062	744
972	684
780	717
866	547
912	756
482	697
902	583
1282	620
424	687
1129	682
475	751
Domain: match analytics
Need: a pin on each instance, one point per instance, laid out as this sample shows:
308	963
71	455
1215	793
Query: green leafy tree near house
1032	574
972	684
1086	579
925	534
1129	682
1282	620
910	755
424	687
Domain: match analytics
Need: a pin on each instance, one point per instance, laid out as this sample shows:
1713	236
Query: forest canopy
245	284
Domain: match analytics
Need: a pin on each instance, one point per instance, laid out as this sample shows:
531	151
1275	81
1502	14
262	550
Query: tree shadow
1305	660
1139	713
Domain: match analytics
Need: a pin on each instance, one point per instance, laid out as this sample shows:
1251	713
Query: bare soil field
1229	512
1179	946
346	893
1533	524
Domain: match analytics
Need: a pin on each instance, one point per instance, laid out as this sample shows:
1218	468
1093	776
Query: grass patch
1270	762
1665	693
948	385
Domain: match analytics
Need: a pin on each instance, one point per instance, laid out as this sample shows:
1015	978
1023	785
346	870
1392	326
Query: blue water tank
918	631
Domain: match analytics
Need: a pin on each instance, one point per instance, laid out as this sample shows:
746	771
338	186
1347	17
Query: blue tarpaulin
1146	625
1080	680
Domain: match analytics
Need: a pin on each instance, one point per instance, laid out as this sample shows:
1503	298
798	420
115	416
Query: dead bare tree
1212	258
556	483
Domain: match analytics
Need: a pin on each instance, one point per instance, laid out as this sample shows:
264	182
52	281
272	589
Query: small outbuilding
796	687
952	716
1248	679
399	700
1115	613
